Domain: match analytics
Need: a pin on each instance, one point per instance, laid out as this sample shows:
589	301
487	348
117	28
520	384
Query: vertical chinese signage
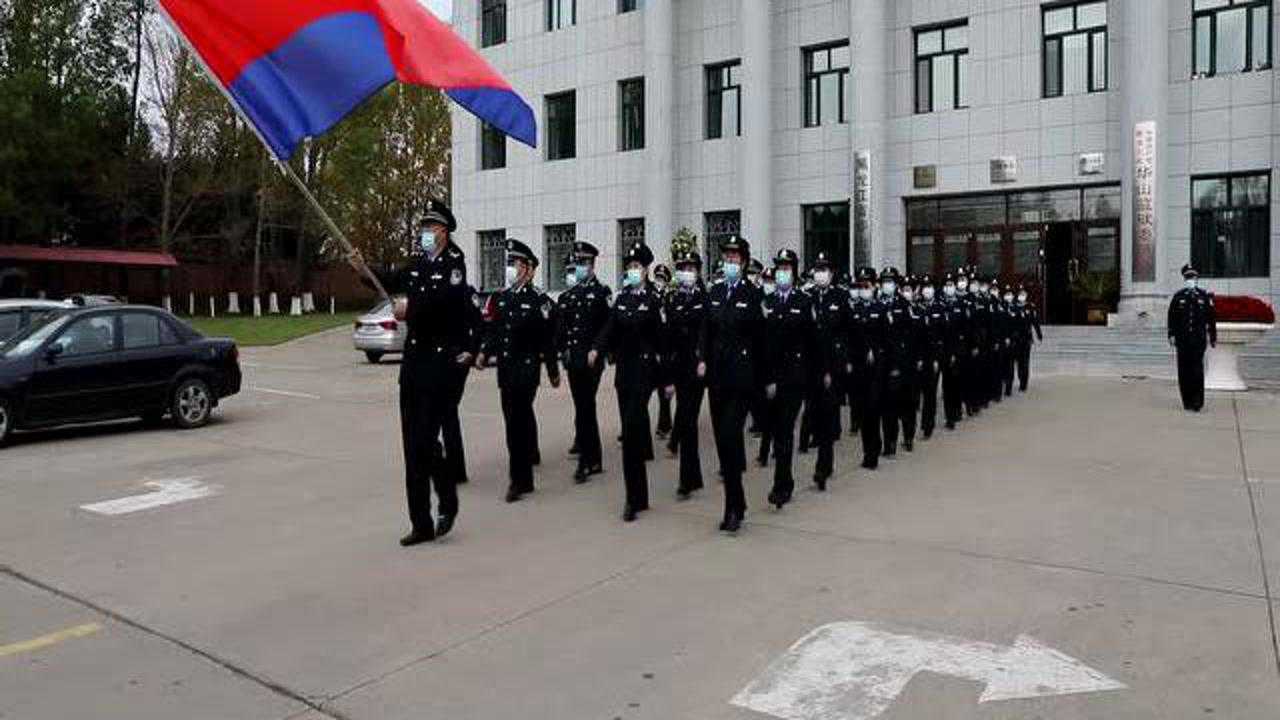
862	209
1144	202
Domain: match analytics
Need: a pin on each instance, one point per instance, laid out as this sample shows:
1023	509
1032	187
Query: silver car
378	333
18	314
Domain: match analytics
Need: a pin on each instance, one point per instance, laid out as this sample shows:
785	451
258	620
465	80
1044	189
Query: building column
659	125
1144	93
757	127
871	46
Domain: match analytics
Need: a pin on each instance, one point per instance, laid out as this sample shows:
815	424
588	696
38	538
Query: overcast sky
442	8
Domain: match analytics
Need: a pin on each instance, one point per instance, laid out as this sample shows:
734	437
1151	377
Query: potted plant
1098	292
1241	320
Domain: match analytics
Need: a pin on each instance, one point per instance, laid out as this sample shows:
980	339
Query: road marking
45	641
855	671
294	368
165	492
286	393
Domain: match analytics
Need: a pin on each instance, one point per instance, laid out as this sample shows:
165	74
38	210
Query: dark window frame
957	57
813	115
554	151
1203	260
493	22
1212	15
626	6
626	141
627	237
840	235
1093	33
733	86
491	144
726	223
490	244
550	7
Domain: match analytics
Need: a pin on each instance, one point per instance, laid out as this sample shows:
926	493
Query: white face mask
1008	297
949	290
888	288
929	293
571	278
983	289
1192	283
513	275
732	271
866	293
1022	299
822	278
686	277
634	277
783	278
963	286
908	294
770	288
427	241
660	284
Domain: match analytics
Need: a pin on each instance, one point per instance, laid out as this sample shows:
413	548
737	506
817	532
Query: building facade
1087	149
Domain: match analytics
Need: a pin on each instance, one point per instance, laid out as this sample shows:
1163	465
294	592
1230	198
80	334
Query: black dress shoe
464	480
629	514
762	461
928	435
732	522
573	451
909	445
820	479
537	460
419	536
890	451
584	473
778	499
951	425
444	524
514	495
870	464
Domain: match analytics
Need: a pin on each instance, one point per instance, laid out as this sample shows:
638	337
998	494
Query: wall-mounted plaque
1144	202
862	207
1004	169
1093	163
926	176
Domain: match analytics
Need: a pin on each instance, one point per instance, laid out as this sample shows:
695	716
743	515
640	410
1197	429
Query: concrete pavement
1091	514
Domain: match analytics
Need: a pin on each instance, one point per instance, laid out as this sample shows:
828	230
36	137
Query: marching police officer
686	307
935	352
793	359
520	340
972	298
1192	320
662	286
766	411
442	340
1027	320
1009	314
731	350
584	310
634	336
832	364
956	357
899	363
758	407
868	337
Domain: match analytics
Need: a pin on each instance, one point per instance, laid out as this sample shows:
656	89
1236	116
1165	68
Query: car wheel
6	421
192	403
374	357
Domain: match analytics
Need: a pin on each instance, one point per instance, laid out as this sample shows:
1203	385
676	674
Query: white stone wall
1223	124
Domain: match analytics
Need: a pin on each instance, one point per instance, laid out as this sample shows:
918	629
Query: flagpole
352	253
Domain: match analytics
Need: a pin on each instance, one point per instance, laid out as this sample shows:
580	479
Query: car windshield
30	339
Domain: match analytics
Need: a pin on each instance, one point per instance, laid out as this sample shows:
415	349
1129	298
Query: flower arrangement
1243	309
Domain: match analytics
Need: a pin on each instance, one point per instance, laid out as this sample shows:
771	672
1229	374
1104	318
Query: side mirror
54	350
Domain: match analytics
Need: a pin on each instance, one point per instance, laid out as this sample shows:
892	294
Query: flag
295	68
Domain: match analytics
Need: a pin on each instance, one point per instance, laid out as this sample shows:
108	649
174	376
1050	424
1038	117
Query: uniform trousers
1023	359
928	391
684	435
1191	375
783	411
423	407
518	417
953	391
729	408
584	384
633	398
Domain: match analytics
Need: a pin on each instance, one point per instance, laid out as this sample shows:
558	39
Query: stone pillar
871	44
659	125
757	127
1144	94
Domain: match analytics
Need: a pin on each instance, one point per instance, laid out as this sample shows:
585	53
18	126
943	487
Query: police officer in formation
686	309
1192	328
831	365
520	341
584	310
1026	331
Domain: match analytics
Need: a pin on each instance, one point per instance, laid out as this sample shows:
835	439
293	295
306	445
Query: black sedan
112	362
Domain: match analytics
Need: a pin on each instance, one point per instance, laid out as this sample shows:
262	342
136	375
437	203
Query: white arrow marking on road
165	492
855	671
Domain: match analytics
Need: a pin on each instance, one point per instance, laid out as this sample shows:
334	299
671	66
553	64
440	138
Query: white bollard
308	302
333	307
273	304
168	303
295	306
213	309
233	303
257	306
191	304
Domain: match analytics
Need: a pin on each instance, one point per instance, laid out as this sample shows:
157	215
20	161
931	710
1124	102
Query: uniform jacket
634	336
1025	322
442	315
520	337
898	330
1192	316
732	338
935	332
583	312
793	356
685	311
834	325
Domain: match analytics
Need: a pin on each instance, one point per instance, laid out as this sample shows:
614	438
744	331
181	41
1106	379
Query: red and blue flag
298	67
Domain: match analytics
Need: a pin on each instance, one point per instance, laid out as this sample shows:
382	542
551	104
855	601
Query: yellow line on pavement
45	641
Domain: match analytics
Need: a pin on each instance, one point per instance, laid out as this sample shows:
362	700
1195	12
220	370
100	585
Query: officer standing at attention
634	336
520	339
832	365
868	337
443	338
793	359
899	363
1028	321
686	307
1009	310
755	276
584	310
1192	320
769	285
974	300
731	349
957	354
662	286
935	351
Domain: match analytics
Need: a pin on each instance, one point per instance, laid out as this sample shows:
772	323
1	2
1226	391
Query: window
631	114
561	14
826	85
493	259
493	147
630	232
561	126
1075	48
559	241
826	229
717	227
1230	36
724	99
10	323
144	330
942	67
625	6
87	336
493	22
1231	225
